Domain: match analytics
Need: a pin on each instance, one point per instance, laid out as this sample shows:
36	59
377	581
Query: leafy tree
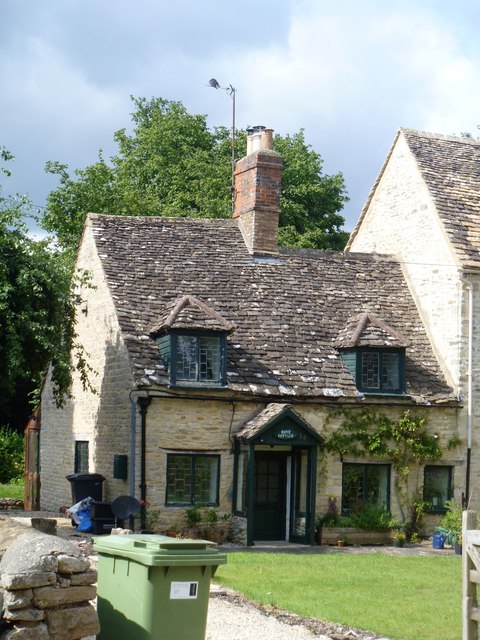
36	310
11	455
173	165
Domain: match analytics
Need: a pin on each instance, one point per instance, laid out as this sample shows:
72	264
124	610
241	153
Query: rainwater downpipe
143	402
469	387
133	419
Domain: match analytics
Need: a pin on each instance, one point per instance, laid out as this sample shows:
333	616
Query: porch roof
271	416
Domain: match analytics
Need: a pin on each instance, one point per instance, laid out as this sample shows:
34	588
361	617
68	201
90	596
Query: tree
36	310
173	165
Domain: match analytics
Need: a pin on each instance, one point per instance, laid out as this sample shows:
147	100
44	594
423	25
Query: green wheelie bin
154	587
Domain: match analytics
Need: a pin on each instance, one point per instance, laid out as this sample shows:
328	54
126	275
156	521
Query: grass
404	598
13	489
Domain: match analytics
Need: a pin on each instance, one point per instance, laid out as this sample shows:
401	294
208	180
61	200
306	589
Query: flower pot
458	548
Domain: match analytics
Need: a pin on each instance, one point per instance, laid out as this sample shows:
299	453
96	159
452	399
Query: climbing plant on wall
406	442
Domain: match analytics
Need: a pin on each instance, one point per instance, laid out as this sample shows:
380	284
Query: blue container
438	540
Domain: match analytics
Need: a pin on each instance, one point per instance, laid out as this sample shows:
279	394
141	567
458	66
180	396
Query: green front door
269	497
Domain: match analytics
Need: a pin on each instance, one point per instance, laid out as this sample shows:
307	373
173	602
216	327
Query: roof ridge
440	136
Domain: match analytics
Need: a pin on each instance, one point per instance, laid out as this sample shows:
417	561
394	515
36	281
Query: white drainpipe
469	385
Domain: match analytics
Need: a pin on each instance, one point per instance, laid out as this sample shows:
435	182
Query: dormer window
374	353
192	341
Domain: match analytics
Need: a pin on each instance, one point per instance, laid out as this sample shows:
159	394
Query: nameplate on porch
286	433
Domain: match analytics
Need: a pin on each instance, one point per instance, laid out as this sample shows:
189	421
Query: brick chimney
257	193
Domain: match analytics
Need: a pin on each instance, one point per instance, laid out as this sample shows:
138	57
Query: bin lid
156	550
73	477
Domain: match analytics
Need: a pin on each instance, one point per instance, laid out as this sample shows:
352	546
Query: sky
349	73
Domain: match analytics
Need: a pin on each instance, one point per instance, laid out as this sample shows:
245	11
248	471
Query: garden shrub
372	516
368	516
11	455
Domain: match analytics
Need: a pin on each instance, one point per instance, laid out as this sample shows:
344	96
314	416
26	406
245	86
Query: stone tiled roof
367	330
450	167
287	311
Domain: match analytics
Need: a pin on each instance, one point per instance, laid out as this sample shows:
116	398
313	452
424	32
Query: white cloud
350	73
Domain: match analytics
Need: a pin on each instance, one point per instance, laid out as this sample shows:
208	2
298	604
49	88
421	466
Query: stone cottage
424	209
222	361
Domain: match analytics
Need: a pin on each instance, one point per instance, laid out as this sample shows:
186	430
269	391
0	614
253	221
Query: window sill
390	394
197	385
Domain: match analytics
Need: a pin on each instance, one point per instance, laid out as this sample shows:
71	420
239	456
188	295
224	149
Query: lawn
14	489
404	598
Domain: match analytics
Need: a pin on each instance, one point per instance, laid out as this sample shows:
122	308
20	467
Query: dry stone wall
47	588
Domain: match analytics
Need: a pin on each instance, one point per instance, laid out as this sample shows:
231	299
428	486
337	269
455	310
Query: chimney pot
267	138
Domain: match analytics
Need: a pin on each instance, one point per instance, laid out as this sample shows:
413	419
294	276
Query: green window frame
192	479
195	359
437	486
377	371
81	456
365	483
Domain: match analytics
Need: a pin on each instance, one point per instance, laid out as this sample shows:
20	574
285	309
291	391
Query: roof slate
287	311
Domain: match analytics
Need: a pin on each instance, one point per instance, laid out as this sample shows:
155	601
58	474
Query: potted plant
342	540
172	531
399	539
151	517
451	525
193	516
217	524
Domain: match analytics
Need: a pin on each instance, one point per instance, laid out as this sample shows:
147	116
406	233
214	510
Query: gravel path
231	617
241	621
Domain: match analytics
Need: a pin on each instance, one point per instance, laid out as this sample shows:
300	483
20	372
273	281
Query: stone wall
175	426
47	588
101	418
11	504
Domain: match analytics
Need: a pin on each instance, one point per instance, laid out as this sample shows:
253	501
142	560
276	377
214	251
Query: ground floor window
81	456
192	479
437	486
365	484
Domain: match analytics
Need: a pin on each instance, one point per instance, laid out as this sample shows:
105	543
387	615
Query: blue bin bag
438	540
85	522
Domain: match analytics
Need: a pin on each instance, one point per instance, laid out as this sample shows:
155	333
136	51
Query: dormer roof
191	313
368	330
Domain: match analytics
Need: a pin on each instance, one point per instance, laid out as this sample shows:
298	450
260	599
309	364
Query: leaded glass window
197	359
379	371
81	456
192	479
437	486
365	484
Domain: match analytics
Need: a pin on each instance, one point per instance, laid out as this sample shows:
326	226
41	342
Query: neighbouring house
222	362
424	210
